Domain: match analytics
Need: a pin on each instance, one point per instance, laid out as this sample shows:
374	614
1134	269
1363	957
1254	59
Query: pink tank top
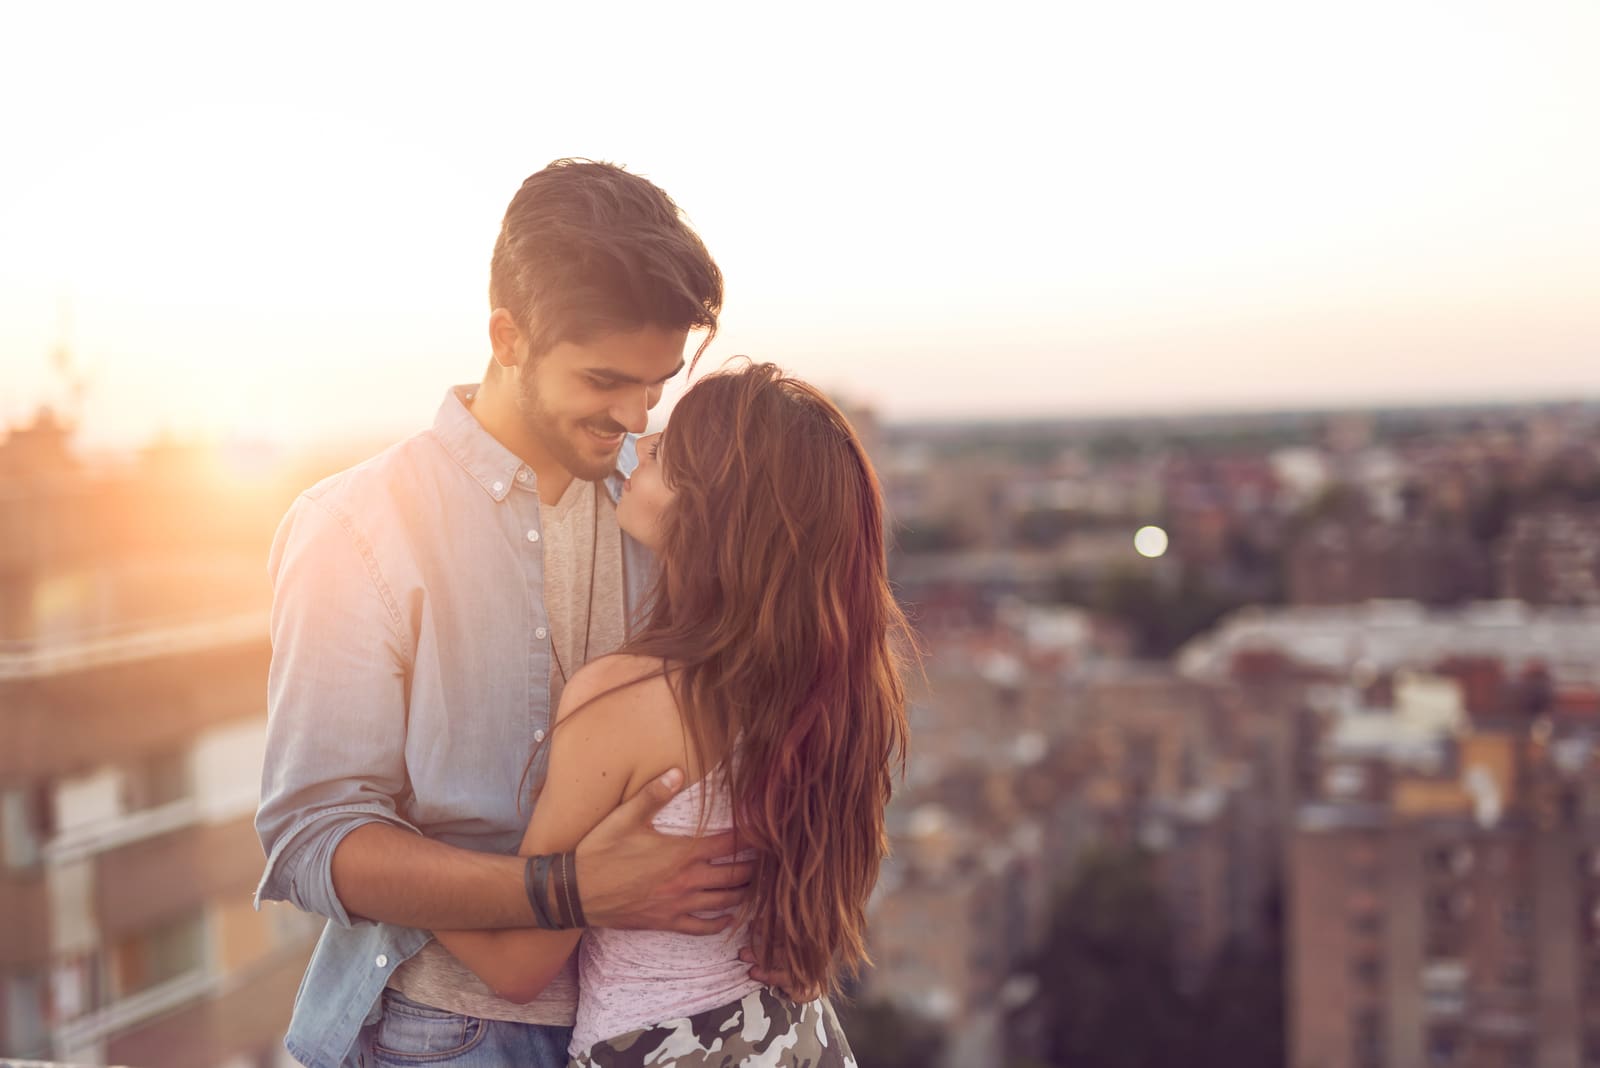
628	980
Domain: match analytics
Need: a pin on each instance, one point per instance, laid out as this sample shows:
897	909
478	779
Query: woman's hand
782	980
632	876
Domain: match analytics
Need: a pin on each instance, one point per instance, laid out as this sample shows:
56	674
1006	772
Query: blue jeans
411	1035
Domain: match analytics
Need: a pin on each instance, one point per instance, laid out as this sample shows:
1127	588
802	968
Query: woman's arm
593	759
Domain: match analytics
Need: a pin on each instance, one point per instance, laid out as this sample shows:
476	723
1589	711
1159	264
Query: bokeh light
1150	542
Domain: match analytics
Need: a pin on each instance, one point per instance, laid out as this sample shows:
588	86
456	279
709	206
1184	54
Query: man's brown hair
587	249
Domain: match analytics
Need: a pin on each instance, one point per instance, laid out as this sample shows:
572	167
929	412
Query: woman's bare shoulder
625	708
618	682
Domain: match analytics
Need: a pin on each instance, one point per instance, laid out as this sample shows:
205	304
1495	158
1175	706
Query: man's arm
336	706
336	736
629	874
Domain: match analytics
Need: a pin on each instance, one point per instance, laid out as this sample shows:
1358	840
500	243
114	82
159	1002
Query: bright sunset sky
278	226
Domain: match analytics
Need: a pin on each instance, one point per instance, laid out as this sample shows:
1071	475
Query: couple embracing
581	741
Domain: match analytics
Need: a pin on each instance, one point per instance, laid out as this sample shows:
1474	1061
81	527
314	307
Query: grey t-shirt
583	597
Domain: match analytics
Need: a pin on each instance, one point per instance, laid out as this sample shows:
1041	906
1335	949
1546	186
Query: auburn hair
783	644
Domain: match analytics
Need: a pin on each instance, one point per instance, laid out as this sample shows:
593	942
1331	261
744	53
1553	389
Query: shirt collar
491	464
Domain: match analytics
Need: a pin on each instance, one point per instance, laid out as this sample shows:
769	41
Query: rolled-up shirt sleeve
336	705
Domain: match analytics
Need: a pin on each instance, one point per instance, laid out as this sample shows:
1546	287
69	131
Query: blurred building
1551	556
981	834
133	654
1442	940
982	898
1030	748
1444	871
1198	774
1350	561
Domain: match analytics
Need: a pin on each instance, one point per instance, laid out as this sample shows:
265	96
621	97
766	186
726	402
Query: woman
765	668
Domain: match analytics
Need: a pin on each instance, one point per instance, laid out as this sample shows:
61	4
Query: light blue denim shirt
406	685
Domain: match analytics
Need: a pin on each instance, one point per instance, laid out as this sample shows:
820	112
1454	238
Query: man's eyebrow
620	379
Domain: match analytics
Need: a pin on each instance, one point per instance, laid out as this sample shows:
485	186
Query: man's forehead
649	355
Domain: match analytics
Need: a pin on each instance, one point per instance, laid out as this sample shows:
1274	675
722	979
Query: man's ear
506	340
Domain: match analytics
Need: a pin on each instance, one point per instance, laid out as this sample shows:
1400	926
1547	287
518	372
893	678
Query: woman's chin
629	527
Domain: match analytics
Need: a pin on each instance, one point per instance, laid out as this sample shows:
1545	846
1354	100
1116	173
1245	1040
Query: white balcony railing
130	644
97	837
95	1027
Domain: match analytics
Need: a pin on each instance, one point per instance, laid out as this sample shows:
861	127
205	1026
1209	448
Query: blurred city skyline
279	230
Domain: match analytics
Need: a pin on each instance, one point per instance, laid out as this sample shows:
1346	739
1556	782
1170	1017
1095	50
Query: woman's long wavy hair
783	642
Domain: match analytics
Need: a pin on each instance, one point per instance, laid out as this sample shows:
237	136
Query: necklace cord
588	616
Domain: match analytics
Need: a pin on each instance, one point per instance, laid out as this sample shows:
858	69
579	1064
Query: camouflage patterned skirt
762	1028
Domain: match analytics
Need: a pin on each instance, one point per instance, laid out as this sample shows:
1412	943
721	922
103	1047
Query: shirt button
498	486
533	535
522	476
540	633
382	961
538	735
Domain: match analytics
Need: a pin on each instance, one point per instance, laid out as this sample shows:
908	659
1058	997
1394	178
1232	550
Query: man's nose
633	411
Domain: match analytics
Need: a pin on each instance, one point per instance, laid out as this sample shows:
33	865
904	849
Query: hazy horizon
279	229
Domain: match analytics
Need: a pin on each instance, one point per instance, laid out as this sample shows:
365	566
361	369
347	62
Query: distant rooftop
1380	636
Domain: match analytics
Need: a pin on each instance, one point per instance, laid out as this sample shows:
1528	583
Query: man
429	606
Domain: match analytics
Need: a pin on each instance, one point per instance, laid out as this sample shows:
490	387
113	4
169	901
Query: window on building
1450	907
1517	975
1591	1048
27	822
1367	923
1455	859
1366	1029
77	986
1367	971
158	955
1517	917
156	780
1365	865
1443	945
26	1012
1444	1047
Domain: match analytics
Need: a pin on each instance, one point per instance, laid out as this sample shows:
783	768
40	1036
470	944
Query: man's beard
547	429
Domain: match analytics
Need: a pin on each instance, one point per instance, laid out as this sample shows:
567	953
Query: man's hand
632	876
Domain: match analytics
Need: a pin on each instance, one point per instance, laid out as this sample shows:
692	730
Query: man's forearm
382	872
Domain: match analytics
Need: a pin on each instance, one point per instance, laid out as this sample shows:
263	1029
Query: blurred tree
882	1036
1490	512
1107	980
1045	528
1106	971
1161	618
930	536
1239	1014
1336	501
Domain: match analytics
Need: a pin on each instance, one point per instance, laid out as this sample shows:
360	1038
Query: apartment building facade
129	771
133	659
1442	942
